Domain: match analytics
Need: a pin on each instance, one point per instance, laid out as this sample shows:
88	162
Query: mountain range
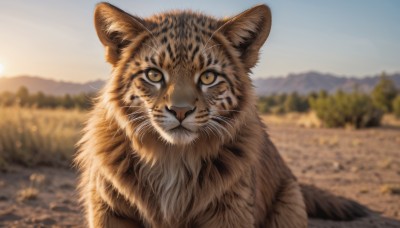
302	83
48	86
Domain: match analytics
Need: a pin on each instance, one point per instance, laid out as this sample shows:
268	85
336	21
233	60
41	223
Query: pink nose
180	112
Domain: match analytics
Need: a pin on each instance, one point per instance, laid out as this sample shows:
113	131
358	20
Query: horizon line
252	76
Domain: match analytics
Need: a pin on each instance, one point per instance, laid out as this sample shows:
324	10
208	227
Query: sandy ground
55	205
362	165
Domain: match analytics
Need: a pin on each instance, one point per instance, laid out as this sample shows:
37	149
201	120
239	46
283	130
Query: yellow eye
208	78
154	75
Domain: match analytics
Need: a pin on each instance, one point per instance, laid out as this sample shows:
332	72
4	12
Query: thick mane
180	178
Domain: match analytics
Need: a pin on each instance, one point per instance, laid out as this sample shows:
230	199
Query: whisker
206	132
136	113
136	119
140	129
154	49
215	128
144	129
222	127
153	38
204	50
229	111
233	110
225	121
212	35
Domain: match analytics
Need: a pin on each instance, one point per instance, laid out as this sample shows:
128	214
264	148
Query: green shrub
396	106
283	103
384	93
343	109
263	106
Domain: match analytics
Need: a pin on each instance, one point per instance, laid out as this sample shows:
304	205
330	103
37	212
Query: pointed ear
248	31
116	29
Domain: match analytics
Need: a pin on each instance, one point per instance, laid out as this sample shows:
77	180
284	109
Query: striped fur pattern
174	139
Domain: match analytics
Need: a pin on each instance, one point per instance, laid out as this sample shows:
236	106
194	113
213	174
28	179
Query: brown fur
137	173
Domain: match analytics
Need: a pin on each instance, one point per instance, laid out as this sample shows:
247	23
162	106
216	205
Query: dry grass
330	141
36	182
37	179
390	120
29	193
37	136
310	120
390	189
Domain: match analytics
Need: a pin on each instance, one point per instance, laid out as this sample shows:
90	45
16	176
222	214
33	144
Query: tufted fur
140	167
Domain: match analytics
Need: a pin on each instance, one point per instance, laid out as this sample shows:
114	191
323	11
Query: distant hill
302	83
48	86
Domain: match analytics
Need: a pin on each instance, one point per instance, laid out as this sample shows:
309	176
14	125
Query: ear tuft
248	32
116	29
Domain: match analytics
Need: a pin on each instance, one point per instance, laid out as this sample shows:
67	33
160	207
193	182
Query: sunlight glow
1	69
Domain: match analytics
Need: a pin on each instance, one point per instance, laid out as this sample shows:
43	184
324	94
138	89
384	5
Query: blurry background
56	39
328	84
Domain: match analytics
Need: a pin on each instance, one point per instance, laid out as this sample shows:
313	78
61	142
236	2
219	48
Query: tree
67	102
296	103
384	93
23	96
40	100
396	106
322	93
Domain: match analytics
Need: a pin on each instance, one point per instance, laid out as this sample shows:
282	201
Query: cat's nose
180	112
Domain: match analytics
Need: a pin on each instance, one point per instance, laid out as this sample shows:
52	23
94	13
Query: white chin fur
177	138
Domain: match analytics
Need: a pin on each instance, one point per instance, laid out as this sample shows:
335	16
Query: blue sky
56	39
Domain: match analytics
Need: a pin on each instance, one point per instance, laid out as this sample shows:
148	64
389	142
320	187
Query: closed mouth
180	128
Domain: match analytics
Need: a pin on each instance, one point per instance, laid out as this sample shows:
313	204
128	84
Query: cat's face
185	86
180	75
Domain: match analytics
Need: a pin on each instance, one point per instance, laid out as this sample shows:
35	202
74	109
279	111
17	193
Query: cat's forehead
183	25
181	40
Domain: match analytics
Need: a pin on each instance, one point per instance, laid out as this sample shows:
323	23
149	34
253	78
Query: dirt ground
362	165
